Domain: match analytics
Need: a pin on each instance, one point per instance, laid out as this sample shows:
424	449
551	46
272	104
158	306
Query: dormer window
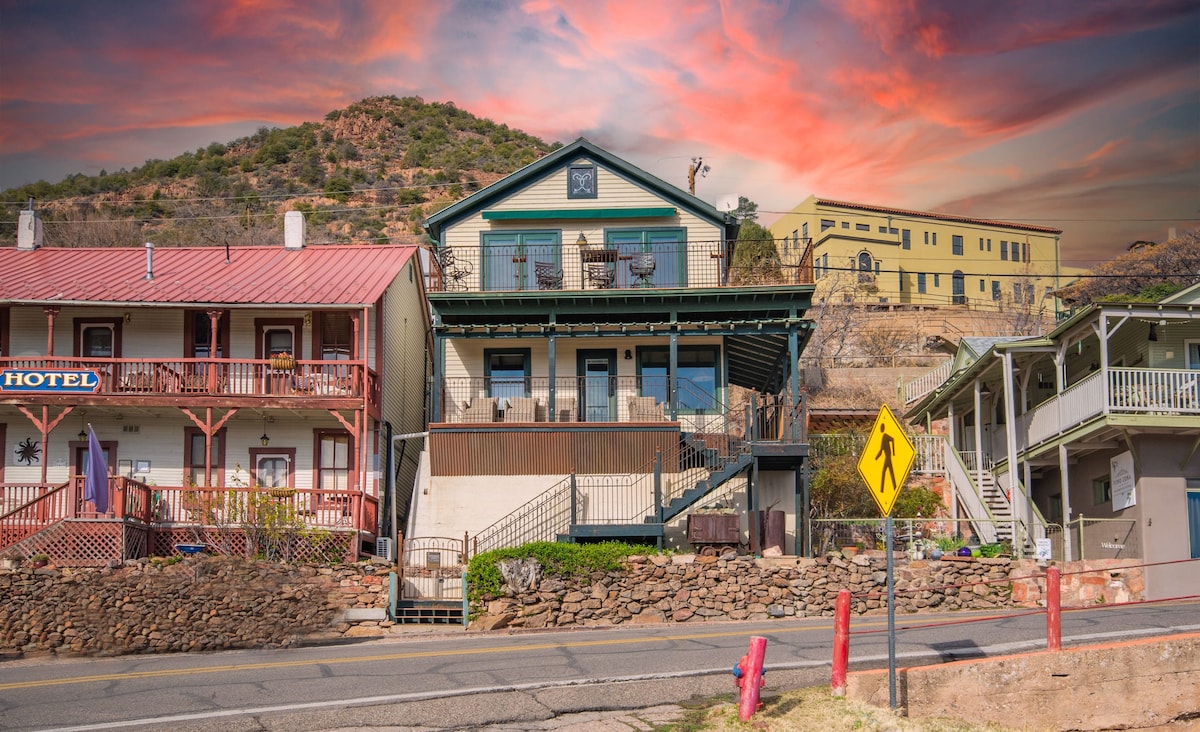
581	181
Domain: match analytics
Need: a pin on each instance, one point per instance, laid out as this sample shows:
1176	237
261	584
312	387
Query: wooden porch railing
146	377
164	506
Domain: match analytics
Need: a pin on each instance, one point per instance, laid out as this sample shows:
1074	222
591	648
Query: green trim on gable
581	213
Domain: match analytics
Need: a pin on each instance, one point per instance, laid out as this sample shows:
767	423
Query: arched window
959	288
865	268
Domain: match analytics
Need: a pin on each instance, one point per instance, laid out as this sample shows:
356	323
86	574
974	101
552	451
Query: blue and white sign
63	381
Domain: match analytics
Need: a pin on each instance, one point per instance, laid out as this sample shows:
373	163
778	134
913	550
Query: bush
566	561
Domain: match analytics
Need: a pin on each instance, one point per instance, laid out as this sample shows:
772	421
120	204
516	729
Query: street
447	679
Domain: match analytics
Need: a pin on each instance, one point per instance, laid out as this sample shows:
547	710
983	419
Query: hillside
370	172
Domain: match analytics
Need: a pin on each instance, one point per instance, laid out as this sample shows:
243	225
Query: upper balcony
620	267
163	382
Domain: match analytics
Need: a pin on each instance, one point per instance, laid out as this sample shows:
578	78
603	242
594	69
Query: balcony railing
34	507
636	399
198	377
1130	391
597	267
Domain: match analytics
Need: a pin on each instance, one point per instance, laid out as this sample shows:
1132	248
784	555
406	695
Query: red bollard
841	642
749	674
1053	609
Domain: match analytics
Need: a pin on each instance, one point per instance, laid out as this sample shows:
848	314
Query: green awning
581	213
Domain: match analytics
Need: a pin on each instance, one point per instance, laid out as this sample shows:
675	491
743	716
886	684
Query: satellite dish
727	202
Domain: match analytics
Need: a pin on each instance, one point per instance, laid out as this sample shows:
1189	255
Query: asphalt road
451	679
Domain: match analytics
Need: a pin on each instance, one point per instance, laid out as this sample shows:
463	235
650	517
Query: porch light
265	440
82	435
581	241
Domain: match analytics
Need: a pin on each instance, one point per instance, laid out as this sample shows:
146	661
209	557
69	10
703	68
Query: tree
755	258
746	210
1141	273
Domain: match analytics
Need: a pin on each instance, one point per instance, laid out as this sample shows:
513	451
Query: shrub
567	561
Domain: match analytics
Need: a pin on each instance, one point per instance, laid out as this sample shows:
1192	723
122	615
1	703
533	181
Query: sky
1081	115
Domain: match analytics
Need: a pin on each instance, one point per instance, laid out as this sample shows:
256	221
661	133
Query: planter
281	492
849	550
283	362
189	548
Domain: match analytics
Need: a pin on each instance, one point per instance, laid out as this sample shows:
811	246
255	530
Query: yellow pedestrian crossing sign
886	460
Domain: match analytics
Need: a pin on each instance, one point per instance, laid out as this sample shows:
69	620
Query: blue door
1193	509
598	385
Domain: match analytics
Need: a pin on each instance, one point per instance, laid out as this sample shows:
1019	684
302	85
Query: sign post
884	465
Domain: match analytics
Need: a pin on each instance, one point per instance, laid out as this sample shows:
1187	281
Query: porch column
214	317
953	437
438	408
1102	333
51	312
794	361
1065	486
551	374
978	433
673	375
1010	435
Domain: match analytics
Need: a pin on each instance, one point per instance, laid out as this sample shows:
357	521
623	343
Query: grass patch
566	561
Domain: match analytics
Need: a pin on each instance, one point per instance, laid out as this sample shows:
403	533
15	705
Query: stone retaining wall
199	604
691	588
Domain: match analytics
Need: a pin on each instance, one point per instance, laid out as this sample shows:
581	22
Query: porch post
794	362
953	437
673	377
214	317
1104	375
552	415
979	433
51	312
1065	486
437	408
1010	434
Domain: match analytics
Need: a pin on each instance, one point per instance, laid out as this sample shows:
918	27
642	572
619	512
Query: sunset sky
1079	115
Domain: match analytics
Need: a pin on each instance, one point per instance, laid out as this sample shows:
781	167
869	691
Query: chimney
149	260
29	230
293	230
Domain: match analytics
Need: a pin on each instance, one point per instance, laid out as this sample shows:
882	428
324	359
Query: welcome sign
60	381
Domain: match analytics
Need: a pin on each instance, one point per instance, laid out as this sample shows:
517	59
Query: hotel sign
61	381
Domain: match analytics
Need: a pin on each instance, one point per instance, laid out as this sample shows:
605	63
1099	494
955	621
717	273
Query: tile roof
313	275
939	216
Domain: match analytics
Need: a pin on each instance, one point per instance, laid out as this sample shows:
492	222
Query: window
937	280
193	457
1193	516
956	245
198	335
98	338
1017	292
1193	354
1029	293
982	285
335	336
981	243
668	247
926	238
1025	252
827	224
905	239
958	288
803	230
278	340
989	245
507	373
845	224
1101	491
581	181
509	258
996	290
921	282
1003	249
864	267
333	461
933	238
893	230
882	229
699	376
862	227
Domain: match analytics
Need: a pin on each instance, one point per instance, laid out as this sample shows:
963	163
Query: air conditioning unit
385	549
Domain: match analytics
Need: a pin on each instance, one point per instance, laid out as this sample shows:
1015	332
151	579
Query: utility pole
697	166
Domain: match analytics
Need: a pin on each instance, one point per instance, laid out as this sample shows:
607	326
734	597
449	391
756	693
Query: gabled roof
933	215
321	276
540	169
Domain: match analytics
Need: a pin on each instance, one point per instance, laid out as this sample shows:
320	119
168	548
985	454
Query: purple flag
95	485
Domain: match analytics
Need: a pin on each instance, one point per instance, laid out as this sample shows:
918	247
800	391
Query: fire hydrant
750	677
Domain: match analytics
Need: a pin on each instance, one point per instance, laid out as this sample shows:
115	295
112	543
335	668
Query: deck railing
569	267
167	506
149	377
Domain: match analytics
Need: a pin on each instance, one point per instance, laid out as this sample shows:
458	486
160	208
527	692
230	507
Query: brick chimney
293	230
29	230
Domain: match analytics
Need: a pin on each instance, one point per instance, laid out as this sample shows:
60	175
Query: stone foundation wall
691	588
199	604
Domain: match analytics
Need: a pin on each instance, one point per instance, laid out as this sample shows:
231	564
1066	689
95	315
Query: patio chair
645	409
641	269
600	275
549	277
481	409
454	271
564	409
521	409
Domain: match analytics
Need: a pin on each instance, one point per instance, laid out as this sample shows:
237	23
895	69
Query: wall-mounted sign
71	381
1124	482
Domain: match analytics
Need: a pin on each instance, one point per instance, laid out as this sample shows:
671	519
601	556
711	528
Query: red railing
178	506
209	377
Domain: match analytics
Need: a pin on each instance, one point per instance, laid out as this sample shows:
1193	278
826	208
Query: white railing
969	495
1073	407
926	383
1154	390
929	459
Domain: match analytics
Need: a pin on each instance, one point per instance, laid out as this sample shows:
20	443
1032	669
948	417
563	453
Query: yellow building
867	253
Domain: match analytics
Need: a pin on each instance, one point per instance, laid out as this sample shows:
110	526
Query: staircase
720	468
985	503
426	612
